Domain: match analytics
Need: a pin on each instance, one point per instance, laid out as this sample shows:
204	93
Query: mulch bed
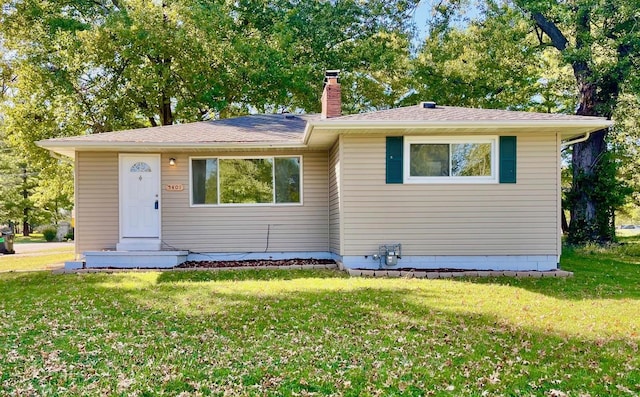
254	263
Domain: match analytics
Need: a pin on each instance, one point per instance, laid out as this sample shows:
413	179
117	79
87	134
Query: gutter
155	146
60	158
587	125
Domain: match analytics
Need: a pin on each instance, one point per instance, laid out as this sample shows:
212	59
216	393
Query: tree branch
550	29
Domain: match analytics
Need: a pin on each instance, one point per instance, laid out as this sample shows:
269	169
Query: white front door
140	195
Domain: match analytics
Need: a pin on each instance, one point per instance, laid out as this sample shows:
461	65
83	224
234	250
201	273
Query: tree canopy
78	67
577	56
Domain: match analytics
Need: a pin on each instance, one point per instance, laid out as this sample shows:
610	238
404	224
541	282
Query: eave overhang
323	133
68	148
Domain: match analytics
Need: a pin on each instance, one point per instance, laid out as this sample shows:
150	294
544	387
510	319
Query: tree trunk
564	223
589	218
166	115
25	210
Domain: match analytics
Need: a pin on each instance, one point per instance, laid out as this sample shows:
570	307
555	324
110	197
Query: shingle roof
267	128
452	113
286	130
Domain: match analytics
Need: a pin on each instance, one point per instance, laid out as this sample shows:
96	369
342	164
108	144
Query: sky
423	13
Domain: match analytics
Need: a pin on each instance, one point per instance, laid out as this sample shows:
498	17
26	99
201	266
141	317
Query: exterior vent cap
428	105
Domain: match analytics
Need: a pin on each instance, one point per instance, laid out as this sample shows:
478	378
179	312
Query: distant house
424	186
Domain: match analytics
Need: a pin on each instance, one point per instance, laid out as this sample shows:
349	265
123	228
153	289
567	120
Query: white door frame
133	243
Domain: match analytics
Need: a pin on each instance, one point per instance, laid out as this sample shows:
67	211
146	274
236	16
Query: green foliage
568	57
287	179
48	188
72	68
246	180
493	62
133	63
70	234
49	234
607	191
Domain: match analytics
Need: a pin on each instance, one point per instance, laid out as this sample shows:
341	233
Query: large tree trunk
590	215
587	223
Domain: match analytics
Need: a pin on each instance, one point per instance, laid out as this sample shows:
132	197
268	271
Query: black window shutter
394	159
508	154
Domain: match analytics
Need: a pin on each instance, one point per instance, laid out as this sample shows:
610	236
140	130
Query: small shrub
69	235
49	234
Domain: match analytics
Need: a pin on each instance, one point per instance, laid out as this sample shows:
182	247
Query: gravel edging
455	274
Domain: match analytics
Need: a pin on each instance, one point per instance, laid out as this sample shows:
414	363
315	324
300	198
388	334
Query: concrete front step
132	259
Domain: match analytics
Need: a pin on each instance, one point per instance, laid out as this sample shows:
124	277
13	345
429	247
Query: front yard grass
32	238
35	261
299	333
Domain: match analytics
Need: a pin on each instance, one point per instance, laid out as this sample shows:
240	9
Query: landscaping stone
308	267
73	265
329	266
433	275
419	274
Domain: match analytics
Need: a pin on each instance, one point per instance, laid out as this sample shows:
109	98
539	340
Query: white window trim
409	140
272	204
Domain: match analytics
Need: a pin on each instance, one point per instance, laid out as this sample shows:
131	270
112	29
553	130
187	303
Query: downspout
577	140
568	143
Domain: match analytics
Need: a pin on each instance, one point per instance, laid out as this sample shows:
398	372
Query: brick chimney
331	100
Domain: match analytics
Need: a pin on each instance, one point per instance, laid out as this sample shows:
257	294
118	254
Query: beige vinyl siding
96	207
451	219
246	228
334	199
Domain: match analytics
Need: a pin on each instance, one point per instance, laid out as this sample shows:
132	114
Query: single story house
424	186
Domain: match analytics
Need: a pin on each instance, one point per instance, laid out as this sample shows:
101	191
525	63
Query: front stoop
134	259
438	275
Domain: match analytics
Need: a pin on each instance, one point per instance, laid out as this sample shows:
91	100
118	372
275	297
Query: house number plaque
174	188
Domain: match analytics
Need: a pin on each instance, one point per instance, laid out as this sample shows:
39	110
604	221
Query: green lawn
32	238
35	261
301	333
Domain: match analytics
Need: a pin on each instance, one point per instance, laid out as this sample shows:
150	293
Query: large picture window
450	160
259	180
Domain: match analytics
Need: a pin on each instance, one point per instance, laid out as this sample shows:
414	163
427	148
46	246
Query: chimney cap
428	105
331	74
